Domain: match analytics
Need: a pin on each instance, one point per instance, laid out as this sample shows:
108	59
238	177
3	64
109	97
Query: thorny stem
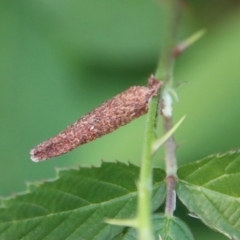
144	225
171	168
165	72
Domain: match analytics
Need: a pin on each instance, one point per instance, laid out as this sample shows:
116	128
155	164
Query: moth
106	118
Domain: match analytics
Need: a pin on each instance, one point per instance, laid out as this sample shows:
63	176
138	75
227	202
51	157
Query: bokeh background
60	59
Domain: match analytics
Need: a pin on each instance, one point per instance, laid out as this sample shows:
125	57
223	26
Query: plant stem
171	196
165	73
165	66
170	149
171	168
145	183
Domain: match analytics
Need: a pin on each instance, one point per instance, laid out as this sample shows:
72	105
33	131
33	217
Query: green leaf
209	188
75	205
169	228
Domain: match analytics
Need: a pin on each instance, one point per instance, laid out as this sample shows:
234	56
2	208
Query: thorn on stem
181	47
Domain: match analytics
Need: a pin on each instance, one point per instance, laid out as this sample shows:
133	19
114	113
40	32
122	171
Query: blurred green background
60	59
